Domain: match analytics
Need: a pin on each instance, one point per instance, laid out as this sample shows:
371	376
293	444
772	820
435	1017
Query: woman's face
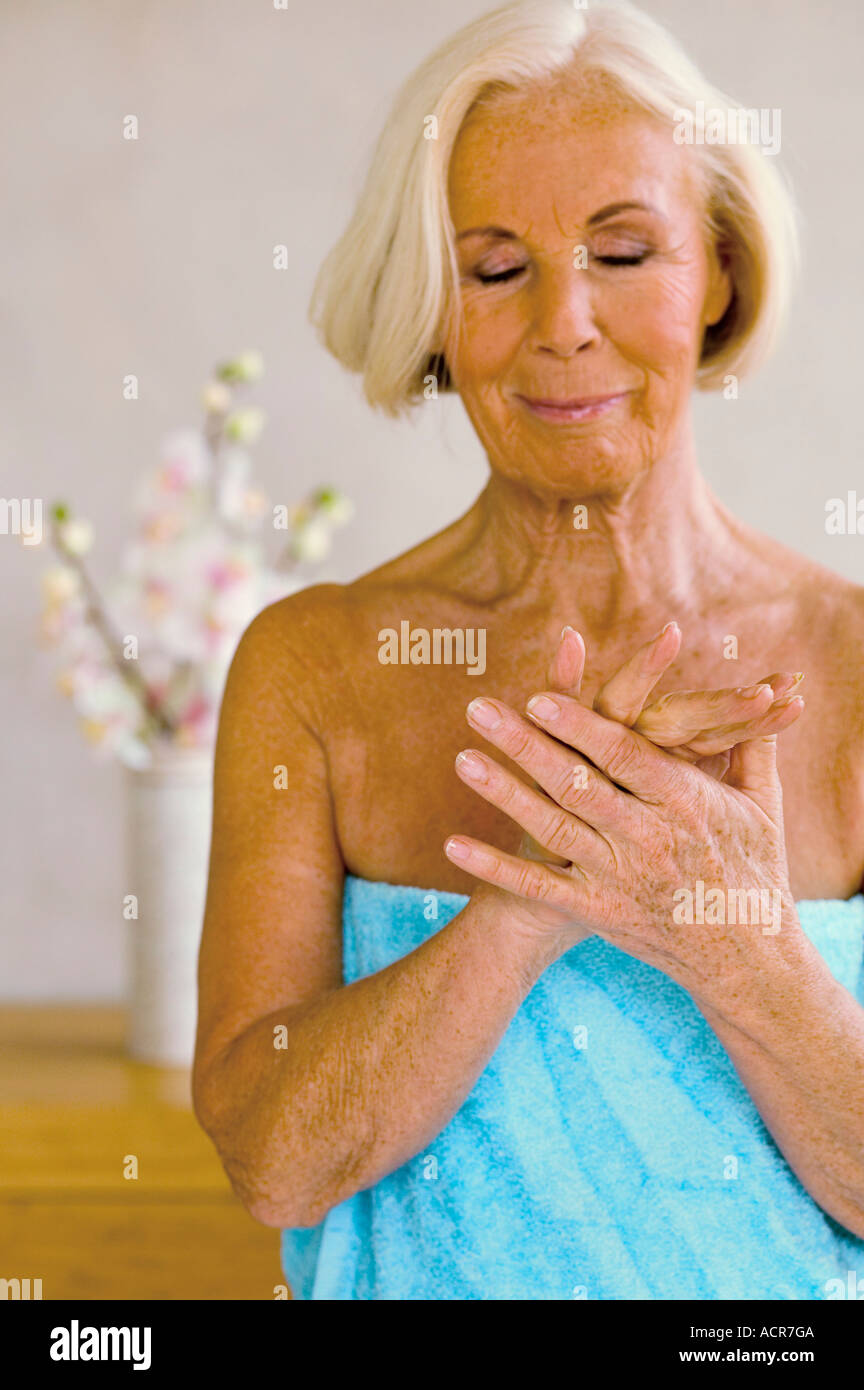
532	180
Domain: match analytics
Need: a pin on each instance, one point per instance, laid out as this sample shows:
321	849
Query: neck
657	549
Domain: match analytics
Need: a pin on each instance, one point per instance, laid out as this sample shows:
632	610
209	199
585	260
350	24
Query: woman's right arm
312	1090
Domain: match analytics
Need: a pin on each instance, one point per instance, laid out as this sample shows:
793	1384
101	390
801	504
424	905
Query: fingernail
789	700
663	630
483	714
470	765
799	676
565	630
543	707
457	849
750	692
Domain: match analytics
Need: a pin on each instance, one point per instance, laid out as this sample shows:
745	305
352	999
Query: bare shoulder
829	623
322	621
303	636
832	612
317	636
318	626
818	605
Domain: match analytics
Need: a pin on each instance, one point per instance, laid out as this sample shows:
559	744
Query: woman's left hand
701	726
637	826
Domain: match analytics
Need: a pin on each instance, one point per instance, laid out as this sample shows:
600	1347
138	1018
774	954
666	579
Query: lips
577	402
575	408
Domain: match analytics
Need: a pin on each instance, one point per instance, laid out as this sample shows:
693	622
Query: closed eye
501	275
624	260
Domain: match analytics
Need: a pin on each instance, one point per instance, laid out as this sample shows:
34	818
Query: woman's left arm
648	835
796	1038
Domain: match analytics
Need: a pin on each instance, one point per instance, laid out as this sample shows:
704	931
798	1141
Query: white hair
391	283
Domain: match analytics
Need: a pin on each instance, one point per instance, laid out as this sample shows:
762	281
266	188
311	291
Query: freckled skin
392	732
658	544
374	1070
554	333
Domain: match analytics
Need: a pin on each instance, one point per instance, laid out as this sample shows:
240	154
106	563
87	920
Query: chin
577	470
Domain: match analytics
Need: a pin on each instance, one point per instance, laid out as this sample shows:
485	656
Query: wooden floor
73	1109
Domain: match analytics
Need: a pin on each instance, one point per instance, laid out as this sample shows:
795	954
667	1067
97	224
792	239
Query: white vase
169	811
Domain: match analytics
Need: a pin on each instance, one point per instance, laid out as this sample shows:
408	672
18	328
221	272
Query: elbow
258	1178
280	1216
285	1208
280	1210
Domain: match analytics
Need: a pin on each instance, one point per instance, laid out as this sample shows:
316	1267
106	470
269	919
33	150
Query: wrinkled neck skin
661	547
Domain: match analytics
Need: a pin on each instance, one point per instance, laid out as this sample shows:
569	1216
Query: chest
397	796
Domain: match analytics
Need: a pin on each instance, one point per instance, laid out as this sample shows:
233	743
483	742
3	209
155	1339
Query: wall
155	257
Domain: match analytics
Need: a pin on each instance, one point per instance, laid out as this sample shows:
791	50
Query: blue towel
607	1151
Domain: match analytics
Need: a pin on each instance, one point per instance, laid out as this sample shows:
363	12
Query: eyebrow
611	210
488	231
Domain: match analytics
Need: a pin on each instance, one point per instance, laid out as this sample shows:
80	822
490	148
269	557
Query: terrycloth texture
623	1161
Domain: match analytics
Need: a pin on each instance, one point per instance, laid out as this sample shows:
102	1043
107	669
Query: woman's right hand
701	726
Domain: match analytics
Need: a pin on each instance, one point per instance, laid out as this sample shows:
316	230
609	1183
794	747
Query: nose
564	320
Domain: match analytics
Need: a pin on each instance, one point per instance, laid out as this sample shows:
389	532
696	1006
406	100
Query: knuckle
604	704
665	702
693	809
531	883
575	788
665	733
622	710
520	742
558	832
507	792
622	758
663	849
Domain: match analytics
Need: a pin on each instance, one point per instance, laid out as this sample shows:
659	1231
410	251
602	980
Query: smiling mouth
579	408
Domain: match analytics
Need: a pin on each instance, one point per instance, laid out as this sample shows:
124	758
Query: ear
718	293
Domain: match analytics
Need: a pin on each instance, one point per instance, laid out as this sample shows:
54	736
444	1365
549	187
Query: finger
753	771
529	849
624	694
680	717
548	824
568	664
567	778
782	714
677	718
783	682
626	758
526	878
565	674
710	721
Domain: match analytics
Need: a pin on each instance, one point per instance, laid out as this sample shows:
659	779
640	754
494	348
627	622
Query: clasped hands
632	800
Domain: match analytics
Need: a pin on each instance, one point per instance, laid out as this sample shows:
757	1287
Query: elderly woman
571	1011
